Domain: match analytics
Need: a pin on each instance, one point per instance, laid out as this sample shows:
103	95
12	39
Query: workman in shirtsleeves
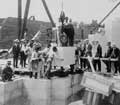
23	53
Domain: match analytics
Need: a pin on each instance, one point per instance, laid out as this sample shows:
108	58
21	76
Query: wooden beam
25	18
48	13
19	18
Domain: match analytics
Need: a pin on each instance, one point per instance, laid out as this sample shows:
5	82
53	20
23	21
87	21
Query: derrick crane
19	18
24	28
111	11
48	13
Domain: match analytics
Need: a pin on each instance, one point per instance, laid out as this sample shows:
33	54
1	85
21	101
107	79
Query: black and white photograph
59	52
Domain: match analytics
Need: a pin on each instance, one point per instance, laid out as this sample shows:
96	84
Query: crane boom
99	24
109	13
25	17
48	13
19	18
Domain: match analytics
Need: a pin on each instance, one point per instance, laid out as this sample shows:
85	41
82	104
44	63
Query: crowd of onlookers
39	60
111	57
33	55
28	51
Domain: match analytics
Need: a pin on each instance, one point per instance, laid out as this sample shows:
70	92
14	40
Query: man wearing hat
108	55
16	52
23	53
7	72
115	54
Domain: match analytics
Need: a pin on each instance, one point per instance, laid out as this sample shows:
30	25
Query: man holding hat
16	52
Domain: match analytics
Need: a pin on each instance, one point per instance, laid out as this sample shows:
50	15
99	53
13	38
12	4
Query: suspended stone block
67	54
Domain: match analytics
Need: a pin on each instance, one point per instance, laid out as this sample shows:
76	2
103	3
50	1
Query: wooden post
19	18
96	98
25	17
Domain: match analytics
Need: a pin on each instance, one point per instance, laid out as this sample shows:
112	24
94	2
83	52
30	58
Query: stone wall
57	91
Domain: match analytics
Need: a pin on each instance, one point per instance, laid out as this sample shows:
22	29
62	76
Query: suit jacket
99	51
69	30
88	50
16	50
115	53
82	50
108	53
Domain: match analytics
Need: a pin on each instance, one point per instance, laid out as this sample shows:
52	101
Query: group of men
36	56
19	49
111	58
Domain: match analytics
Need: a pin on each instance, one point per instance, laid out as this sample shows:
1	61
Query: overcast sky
78	10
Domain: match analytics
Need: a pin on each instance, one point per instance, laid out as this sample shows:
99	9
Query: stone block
10	86
61	101
39	102
12	90
9	91
36	83
97	83
19	83
37	89
63	93
76	88
76	78
80	102
61	83
1	93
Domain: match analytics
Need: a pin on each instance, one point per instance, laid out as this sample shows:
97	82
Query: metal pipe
48	13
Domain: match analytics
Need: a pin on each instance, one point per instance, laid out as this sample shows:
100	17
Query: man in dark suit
115	54
97	62
69	30
16	52
82	54
88	52
88	48
108	55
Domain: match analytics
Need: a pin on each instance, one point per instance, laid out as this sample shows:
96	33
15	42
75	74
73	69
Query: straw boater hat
16	40
113	44
22	40
9	62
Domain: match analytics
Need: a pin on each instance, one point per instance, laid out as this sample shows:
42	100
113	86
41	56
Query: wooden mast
19	18
24	28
